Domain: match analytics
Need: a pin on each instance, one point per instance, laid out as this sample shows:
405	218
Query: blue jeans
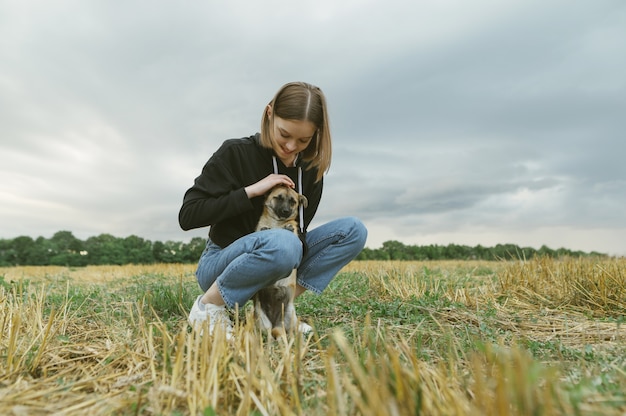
259	259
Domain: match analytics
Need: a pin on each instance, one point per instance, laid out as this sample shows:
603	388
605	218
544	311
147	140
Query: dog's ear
303	201
268	193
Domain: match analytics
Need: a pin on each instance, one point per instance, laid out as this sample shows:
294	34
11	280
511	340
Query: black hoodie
218	198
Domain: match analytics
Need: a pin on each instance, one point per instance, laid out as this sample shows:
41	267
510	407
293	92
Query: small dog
274	305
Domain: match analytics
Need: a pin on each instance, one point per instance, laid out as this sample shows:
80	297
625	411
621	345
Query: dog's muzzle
284	213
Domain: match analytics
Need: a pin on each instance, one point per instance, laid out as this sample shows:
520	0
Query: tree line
64	249
395	250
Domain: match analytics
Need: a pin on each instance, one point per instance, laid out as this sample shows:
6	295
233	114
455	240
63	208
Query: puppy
274	305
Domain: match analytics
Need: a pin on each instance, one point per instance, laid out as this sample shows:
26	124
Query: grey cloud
445	116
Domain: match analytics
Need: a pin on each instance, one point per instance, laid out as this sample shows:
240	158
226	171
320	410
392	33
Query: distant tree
507	252
433	252
365	254
528	252
42	252
455	251
105	249
370	254
168	252
158	249
562	252
65	240
23	247
480	253
65	250
7	253
192	251
417	253
395	250
137	250
545	251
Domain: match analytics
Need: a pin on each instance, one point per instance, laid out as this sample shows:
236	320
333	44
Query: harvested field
542	337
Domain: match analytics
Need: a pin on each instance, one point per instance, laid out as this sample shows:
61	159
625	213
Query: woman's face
291	137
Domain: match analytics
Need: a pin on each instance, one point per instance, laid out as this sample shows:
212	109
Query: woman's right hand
267	183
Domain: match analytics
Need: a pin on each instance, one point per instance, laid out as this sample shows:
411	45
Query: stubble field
540	337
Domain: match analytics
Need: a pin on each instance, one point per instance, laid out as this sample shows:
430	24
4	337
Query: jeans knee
283	247
358	232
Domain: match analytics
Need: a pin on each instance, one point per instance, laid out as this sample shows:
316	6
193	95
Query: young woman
293	149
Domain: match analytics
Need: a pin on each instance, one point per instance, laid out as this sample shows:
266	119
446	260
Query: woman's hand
267	183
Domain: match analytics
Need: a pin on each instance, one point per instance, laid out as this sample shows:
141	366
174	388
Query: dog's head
283	203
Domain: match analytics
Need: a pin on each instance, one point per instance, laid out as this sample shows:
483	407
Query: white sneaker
304	328
216	315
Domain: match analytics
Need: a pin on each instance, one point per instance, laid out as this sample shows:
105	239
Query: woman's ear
268	109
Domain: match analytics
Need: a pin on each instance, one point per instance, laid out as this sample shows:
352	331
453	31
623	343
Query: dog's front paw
289	227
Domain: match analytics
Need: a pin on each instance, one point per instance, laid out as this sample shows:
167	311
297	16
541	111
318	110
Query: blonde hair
303	102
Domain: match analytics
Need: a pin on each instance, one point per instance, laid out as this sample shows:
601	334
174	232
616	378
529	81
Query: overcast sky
467	122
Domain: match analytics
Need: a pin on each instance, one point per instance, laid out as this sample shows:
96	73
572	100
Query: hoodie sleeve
217	194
